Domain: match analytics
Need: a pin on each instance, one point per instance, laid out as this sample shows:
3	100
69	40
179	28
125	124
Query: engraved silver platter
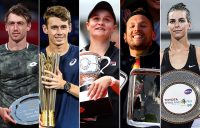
25	110
180	96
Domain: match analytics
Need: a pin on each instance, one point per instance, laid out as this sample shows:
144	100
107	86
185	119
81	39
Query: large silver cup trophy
143	106
48	96
90	67
89	71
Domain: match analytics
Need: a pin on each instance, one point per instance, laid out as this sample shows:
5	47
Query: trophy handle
104	58
123	79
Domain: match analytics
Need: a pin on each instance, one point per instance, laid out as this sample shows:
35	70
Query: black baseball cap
103	5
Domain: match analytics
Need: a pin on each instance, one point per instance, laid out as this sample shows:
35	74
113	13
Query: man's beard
139	47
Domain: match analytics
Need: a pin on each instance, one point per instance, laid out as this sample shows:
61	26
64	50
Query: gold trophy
48	96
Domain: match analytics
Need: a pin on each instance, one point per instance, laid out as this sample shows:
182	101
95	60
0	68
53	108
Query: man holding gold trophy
59	72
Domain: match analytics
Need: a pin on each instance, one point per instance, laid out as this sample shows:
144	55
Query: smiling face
57	31
178	24
101	24
139	32
17	27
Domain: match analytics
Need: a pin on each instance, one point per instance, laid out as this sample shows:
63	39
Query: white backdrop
194	8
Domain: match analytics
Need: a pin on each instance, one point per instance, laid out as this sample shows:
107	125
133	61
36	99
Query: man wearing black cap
143	53
100	25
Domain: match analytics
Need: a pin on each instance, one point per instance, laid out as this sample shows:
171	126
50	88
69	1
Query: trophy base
48	119
90	108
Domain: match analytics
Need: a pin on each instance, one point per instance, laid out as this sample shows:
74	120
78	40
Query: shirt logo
72	62
32	64
190	66
113	63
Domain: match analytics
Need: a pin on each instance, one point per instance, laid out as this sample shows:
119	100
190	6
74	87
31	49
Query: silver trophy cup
90	67
90	71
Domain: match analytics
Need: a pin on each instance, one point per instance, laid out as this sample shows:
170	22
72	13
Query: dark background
73	7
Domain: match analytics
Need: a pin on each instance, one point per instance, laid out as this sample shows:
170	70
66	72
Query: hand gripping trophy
90	68
48	96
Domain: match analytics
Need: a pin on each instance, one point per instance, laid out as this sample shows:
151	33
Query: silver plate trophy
48	96
89	71
180	96
25	110
143	106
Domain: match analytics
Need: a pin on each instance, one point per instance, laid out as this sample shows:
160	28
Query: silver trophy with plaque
48	96
143	105
90	70
180	96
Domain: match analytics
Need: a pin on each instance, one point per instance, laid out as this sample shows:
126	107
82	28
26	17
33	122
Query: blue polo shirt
67	105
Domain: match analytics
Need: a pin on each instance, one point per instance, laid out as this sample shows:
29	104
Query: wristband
113	81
